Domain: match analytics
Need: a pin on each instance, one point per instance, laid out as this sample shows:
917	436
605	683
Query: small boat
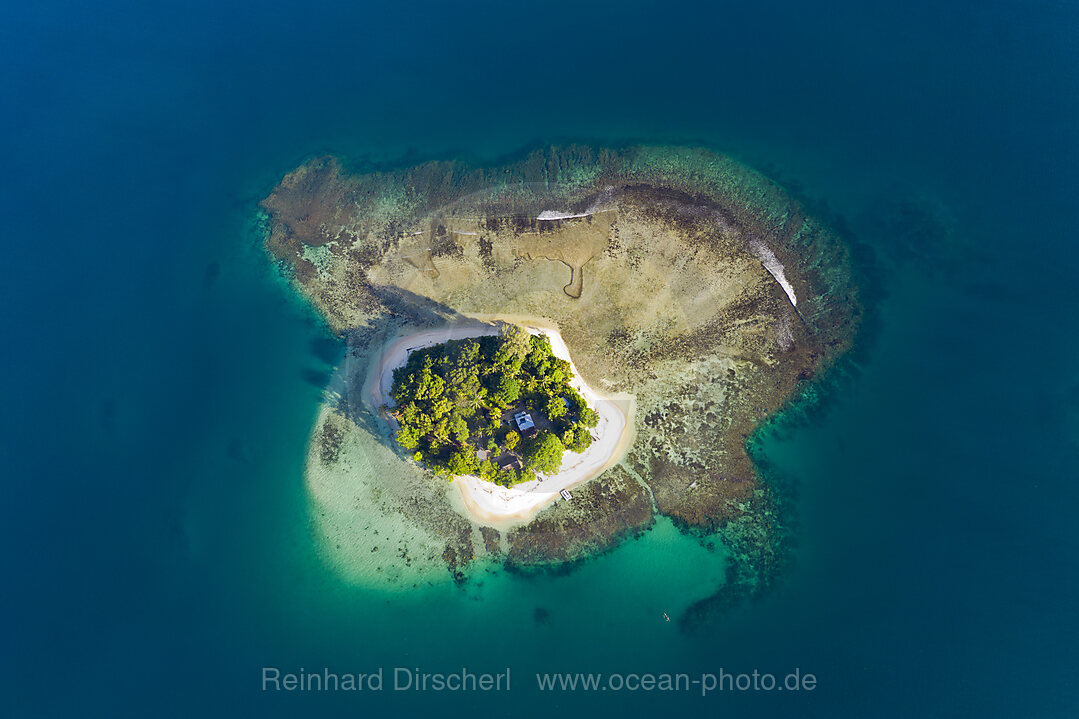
666	617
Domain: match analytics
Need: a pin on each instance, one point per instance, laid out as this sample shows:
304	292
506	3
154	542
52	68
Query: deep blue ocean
159	380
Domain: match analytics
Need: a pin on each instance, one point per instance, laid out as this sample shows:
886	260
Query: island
695	300
498	409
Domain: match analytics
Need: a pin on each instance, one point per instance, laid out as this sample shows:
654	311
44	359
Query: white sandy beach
489	503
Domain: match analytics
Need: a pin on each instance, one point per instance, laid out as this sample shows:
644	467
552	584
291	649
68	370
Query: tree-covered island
459	407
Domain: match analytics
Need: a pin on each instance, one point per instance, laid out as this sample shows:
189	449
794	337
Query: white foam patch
775	268
556	215
605	196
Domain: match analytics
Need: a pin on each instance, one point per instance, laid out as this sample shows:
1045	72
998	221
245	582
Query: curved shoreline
488	503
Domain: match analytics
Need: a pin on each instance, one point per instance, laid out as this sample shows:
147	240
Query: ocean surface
159	380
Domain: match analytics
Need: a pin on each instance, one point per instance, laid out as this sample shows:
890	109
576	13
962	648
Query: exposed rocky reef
674	274
603	512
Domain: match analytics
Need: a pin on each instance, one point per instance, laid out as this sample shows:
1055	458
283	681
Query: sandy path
489	503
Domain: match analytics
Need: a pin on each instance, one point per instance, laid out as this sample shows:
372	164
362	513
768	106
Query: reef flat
674	275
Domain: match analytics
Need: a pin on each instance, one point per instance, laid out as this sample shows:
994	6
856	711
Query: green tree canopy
462	461
506	389
512	440
580	440
449	400
515	345
543	453
589	417
555	408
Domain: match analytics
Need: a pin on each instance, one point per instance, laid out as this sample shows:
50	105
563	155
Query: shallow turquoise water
160	382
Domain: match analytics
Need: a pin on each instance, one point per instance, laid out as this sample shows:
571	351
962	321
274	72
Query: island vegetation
499	407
